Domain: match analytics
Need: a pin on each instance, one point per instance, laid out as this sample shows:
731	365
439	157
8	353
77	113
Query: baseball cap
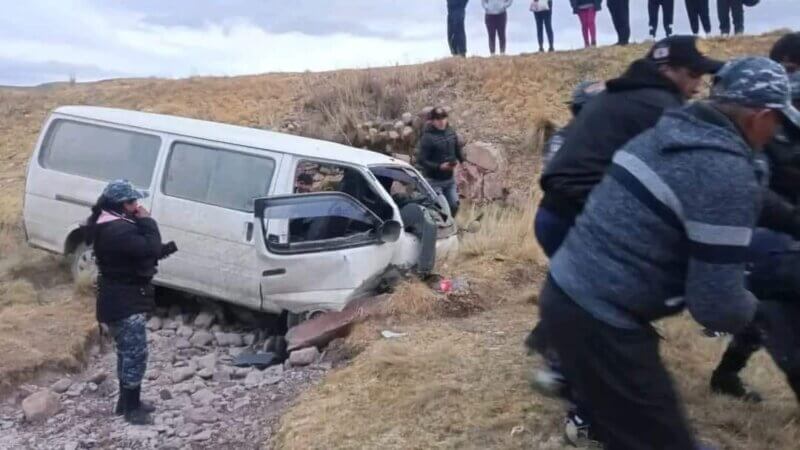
437	113
681	51
755	82
585	91
121	191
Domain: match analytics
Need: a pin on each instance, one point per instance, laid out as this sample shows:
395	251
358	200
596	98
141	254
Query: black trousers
456	35
727	9
496	27
668	9
620	15
544	22
618	376
698	14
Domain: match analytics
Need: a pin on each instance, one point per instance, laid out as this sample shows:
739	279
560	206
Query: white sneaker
577	432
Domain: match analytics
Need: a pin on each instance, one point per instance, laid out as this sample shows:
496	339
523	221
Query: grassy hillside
455	382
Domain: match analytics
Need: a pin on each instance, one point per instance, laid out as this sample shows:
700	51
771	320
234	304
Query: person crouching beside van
127	246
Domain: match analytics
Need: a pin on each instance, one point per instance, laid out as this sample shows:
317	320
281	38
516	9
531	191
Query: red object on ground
445	285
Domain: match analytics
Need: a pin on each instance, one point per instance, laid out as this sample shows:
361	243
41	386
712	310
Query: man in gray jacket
667	229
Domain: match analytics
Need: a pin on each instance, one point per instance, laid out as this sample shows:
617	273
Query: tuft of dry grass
17	292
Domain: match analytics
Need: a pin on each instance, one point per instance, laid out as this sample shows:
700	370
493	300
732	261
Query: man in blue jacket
667	229
456	35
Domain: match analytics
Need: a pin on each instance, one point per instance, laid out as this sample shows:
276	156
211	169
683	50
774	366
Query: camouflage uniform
130	337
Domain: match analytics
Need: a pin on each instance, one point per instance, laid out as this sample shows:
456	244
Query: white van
243	205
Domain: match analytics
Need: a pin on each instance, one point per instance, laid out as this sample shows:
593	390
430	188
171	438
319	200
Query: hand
141	212
449	165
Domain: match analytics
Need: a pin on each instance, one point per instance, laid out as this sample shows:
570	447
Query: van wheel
82	263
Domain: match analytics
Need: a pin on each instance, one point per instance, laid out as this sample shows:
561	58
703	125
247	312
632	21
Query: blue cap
755	82
121	191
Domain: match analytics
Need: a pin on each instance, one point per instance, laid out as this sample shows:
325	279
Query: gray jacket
496	6
668	227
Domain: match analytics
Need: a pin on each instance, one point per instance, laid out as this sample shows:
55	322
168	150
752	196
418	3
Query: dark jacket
654	237
127	252
456	5
630	105
781	200
436	147
577	4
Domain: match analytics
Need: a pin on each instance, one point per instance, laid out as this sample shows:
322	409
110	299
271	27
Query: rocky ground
202	400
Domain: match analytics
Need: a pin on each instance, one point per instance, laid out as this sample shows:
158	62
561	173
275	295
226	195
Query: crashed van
267	221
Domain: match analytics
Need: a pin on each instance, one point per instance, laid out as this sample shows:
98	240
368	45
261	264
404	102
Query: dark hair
438	112
102	204
787	48
305	178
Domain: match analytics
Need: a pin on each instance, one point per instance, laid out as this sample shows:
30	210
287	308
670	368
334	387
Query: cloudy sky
48	40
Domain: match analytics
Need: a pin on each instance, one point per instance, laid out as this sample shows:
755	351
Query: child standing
586	11
543	12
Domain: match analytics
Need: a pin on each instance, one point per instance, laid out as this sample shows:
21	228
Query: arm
719	219
459	150
141	240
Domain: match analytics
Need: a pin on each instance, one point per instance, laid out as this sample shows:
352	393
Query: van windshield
404	186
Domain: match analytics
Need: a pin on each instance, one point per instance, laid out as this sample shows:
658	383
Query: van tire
81	262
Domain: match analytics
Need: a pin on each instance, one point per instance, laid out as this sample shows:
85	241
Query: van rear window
99	152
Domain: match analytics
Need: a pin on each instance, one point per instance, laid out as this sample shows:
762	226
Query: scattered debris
257	360
304	356
40	405
392	335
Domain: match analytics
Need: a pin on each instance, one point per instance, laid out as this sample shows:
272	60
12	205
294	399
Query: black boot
725	379
134	413
120	408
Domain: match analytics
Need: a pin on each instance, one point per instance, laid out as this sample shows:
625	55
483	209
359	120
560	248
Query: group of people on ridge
496	19
652	205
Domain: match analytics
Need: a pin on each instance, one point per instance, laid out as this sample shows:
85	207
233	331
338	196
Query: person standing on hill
620	16
456	34
698	14
727	9
438	154
543	13
496	21
667	8
127	246
587	13
666	230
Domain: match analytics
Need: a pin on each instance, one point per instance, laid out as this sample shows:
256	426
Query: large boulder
40	405
488	157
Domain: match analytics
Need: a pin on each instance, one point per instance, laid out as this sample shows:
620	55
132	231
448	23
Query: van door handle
73	200
248	232
273	272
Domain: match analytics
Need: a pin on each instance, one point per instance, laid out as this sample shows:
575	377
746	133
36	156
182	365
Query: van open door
319	251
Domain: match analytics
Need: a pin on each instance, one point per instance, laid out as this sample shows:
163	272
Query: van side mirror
390	231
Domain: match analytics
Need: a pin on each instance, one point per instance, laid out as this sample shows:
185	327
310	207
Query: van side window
312	176
100	152
217	177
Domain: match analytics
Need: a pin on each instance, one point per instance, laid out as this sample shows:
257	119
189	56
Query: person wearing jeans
668	8
456	35
496	20
698	14
620	15
587	11
543	13
727	9
438	154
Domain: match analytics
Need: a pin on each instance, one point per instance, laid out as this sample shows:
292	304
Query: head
120	196
679	60
786	52
755	93
304	183
438	118
585	91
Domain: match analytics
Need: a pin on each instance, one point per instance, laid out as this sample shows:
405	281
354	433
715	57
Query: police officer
127	245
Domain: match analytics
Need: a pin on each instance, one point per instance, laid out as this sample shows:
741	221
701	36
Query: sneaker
578	433
730	384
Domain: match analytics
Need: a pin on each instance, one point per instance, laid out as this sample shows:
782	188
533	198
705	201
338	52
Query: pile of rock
482	177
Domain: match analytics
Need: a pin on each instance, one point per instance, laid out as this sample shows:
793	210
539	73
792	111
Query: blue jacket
668	227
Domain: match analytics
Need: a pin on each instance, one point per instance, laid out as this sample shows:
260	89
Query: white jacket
496	6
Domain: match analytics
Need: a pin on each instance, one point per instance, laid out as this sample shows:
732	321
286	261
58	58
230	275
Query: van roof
233	134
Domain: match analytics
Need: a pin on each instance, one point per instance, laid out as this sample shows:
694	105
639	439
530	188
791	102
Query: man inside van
438	154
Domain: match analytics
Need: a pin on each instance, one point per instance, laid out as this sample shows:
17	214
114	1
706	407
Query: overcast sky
47	40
